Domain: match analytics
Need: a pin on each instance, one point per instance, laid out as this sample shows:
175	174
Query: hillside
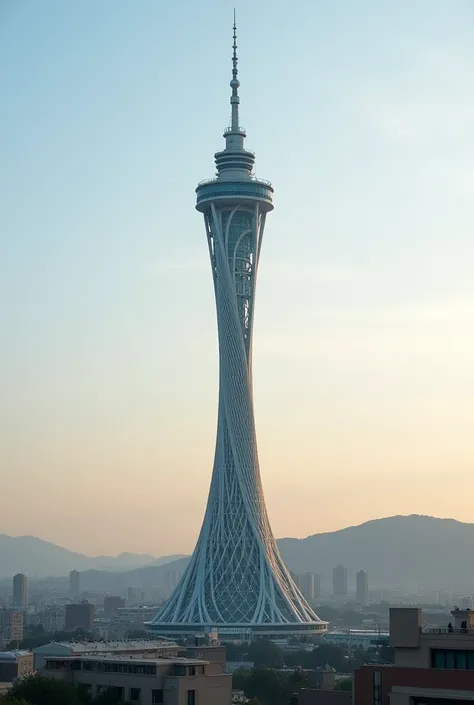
35	557
397	551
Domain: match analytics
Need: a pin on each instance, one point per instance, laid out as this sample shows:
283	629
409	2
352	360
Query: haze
361	115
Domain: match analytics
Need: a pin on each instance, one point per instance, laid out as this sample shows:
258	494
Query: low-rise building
432	666
133	647
11	626
15	664
145	681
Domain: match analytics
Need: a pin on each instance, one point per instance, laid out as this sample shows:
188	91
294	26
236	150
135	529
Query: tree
38	690
344	684
267	686
6	700
266	653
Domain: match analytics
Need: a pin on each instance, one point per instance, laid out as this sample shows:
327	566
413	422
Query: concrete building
53	618
15	664
432	666
362	587
236	582
339	581
11	626
145	681
20	591
74	583
80	615
112	603
146	648
306	585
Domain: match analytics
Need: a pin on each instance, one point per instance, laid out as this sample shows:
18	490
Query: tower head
234	164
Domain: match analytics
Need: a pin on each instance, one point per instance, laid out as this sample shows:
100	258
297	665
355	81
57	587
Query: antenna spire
235	83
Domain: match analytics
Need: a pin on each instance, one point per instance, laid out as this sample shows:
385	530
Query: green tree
266	653
267	686
38	690
344	684
5	700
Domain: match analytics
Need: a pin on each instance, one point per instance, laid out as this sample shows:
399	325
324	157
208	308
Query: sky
361	115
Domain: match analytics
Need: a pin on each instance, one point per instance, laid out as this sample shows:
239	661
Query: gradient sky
361	114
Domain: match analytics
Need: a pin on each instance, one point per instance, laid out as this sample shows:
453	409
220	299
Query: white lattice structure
236	581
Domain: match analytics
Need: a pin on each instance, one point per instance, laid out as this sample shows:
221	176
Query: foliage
6	700
266	653
38	690
344	684
268	686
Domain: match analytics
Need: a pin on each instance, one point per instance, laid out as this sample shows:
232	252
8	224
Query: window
191	697
135	695
460	660
179	671
377	688
156	697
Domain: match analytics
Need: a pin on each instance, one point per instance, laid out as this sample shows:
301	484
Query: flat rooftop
121	658
104	646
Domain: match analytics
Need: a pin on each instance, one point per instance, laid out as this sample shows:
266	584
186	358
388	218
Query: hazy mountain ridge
397	551
36	557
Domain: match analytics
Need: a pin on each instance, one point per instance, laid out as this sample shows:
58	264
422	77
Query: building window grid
452	659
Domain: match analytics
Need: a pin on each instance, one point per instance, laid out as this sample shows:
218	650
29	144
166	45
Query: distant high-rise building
74	583
362	587
339	580
20	590
11	626
133	596
80	616
306	585
112	603
317	586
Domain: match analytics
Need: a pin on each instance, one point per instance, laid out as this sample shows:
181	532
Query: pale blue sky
361	114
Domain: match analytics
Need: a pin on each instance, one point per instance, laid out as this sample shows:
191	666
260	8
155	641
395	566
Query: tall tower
20	590
236	582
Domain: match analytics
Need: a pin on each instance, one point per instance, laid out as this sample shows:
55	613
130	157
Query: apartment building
432	666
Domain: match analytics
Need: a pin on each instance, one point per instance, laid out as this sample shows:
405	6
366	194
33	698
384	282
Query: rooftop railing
446	630
253	179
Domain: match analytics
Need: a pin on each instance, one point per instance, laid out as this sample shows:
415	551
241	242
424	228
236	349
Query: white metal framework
236	580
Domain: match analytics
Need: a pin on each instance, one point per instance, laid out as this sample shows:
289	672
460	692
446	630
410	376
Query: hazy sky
361	114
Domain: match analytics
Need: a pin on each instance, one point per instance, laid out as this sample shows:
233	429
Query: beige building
139	648
15	664
11	626
146	681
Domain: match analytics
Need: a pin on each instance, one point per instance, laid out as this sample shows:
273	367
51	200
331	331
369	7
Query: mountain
35	557
398	551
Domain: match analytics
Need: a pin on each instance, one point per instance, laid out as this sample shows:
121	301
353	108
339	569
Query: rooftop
104	646
114	658
13	655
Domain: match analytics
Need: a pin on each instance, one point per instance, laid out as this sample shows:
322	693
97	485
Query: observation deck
242	192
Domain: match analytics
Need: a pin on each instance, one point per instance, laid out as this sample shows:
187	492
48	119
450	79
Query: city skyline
363	369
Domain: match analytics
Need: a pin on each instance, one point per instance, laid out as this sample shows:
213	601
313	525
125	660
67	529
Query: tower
236	581
339	580
362	587
20	590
